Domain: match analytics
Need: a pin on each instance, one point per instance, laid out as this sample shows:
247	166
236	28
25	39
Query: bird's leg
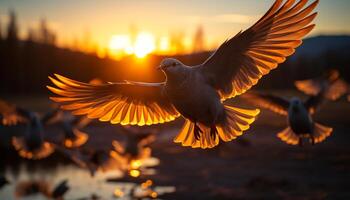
300	143
197	131
213	131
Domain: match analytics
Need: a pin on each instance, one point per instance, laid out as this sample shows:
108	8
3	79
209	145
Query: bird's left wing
267	101
10	114
132	103
241	61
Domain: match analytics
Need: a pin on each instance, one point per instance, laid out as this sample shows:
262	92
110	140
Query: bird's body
32	144
299	119
193	97
299	116
198	92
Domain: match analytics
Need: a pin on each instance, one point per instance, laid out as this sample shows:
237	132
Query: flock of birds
197	93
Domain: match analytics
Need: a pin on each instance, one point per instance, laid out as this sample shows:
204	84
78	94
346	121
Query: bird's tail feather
238	120
321	132
288	136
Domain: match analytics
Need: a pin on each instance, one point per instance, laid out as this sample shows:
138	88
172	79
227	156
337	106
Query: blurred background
117	40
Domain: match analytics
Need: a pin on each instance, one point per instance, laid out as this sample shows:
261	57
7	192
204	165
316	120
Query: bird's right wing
131	103
332	90
10	114
267	101
241	61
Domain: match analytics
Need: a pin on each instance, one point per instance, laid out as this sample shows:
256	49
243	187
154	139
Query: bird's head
296	103
170	65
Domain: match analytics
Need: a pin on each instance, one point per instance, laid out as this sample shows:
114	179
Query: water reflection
88	172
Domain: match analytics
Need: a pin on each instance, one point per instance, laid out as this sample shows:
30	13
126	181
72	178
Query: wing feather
133	103
241	61
267	101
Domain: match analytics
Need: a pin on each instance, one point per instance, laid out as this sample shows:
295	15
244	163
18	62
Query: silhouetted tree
12	30
46	36
198	40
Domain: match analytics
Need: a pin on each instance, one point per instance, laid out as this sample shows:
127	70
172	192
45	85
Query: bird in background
71	125
60	190
3	181
31	144
91	159
10	114
133	154
299	116
336	86
198	92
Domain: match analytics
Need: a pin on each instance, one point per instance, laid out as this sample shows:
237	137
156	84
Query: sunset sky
112	22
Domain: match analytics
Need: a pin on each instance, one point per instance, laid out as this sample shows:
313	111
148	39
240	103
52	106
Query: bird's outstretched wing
241	61
313	103
333	89
10	114
123	102
267	101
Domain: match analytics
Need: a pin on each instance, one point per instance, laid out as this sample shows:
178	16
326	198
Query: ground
256	166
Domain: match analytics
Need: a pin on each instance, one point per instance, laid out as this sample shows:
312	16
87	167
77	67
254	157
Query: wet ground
257	166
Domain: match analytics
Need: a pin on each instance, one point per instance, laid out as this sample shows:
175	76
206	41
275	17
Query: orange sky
140	27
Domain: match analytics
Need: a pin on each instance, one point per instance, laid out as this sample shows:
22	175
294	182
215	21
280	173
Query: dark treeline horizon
26	64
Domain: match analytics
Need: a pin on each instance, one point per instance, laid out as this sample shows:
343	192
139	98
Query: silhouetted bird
10	114
135	151
32	144
91	159
197	92
299	114
60	190
71	127
335	86
3	181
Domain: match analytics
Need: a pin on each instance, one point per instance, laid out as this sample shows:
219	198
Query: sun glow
121	45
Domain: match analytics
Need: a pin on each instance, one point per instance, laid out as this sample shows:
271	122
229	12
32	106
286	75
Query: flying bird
10	114
60	190
299	116
135	152
336	86
32	144
198	92
71	126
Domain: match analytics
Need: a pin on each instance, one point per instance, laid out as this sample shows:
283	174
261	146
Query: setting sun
121	45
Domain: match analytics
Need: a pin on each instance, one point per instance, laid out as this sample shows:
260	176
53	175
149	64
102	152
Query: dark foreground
257	166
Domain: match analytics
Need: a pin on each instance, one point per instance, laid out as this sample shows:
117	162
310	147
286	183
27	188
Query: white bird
335	86
299	116
197	92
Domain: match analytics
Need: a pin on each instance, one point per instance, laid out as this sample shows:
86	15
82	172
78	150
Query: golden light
164	44
118	192
135	164
144	44
153	194
146	184
135	173
119	42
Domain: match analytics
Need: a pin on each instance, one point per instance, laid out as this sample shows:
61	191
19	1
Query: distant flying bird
335	85
299	115
10	114
135	151
197	92
71	127
3	181
60	190
32	144
91	159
